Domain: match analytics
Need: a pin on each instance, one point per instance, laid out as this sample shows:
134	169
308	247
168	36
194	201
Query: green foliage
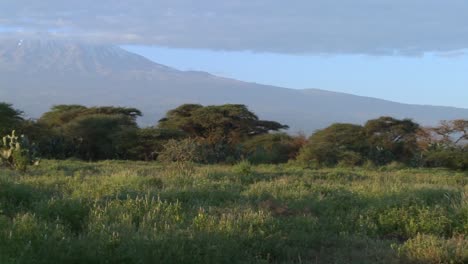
350	159
453	158
61	115
337	143
271	148
224	124
100	136
391	139
49	142
150	142
94	133
429	249
180	156
185	150
230	133
380	142
243	168
10	118
136	212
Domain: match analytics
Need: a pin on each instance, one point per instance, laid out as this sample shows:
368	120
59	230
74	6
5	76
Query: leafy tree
230	123
91	133
10	118
50	142
220	128
60	115
392	139
445	145
102	136
336	143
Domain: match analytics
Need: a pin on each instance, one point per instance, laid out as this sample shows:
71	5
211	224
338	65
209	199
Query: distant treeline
229	133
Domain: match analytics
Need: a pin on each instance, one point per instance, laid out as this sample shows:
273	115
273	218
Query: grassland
130	212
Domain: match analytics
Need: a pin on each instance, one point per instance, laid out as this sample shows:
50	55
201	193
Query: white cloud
408	27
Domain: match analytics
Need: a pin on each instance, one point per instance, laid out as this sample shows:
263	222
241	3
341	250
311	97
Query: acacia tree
92	133
452	132
230	123
60	115
446	145
337	143
101	136
10	118
219	127
392	139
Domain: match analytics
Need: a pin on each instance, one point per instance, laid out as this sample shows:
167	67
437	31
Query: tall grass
134	212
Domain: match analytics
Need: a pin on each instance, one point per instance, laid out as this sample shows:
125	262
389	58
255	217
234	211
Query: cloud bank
373	27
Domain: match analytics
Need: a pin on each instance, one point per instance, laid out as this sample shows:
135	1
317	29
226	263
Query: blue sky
436	79
406	51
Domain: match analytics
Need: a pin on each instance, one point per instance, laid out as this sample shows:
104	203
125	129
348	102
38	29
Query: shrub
455	158
272	148
243	168
185	150
181	155
350	159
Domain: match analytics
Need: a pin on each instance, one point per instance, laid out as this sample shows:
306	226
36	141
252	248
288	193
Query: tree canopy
10	118
92	133
230	123
454	131
231	132
335	143
392	139
60	115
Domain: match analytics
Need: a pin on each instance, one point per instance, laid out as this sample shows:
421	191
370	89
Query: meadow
137	212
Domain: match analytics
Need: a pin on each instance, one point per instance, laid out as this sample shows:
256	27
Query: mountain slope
36	74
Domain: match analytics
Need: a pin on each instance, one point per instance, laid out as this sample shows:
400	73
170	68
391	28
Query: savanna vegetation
230	133
216	184
140	212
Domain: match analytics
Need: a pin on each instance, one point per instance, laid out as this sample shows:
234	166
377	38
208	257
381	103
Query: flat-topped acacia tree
93	133
229	123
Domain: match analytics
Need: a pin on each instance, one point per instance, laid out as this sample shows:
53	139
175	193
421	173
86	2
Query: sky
410	51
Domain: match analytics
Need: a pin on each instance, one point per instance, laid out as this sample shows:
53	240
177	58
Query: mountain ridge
36	74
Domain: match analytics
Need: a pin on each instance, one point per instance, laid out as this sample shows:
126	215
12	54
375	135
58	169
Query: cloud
375	27
452	54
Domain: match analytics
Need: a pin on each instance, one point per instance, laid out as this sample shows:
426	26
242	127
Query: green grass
133	212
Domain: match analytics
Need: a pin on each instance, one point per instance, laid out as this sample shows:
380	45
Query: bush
350	159
272	148
456	158
338	143
243	168
185	150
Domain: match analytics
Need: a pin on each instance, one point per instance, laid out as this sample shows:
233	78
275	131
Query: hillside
36	74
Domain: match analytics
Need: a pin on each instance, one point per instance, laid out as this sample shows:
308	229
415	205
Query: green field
131	212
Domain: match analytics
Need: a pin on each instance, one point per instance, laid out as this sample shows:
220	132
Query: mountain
36	74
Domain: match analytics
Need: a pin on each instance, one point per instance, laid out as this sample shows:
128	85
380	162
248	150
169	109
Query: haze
407	51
